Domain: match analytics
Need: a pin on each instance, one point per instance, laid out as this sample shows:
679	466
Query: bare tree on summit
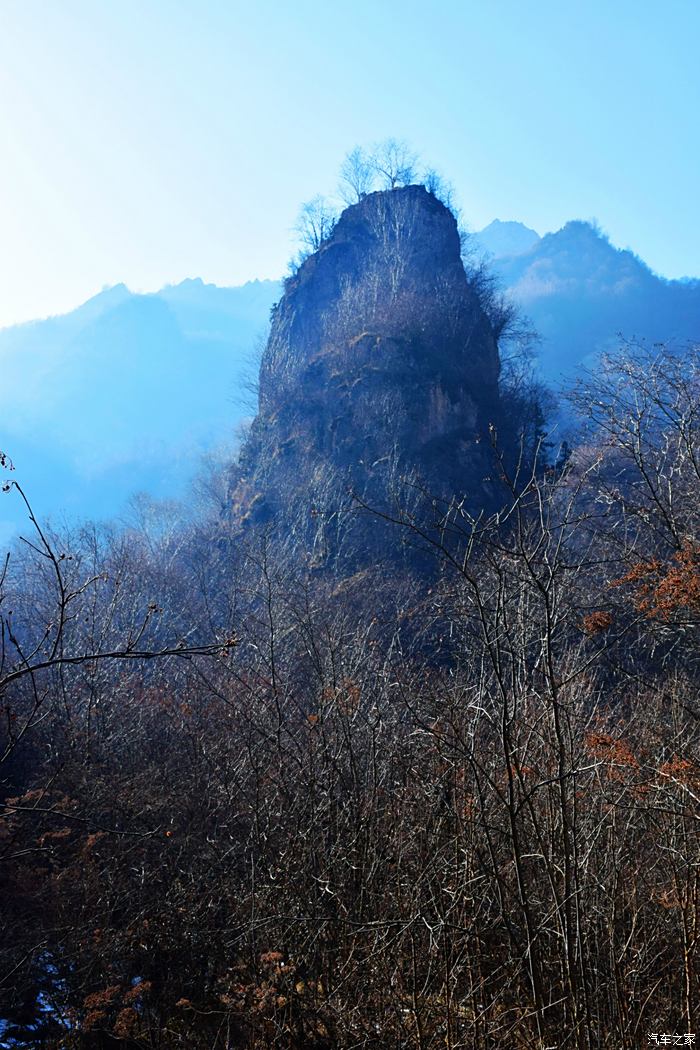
395	163
357	175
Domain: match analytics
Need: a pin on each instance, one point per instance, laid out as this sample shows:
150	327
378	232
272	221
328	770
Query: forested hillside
395	745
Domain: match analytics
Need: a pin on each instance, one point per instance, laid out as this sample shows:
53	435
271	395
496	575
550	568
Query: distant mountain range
500	239
583	294
126	392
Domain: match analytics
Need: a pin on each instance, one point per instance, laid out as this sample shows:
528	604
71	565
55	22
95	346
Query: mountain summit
381	364
502	239
583	295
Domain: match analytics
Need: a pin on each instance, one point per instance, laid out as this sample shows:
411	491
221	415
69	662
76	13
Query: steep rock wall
380	366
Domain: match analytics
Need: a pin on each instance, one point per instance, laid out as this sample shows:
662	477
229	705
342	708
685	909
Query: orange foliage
596	622
98	1000
140	989
680	586
683	771
94	1018
607	748
126	1022
663	589
347	696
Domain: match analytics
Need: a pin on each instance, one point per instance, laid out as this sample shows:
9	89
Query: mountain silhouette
584	296
124	394
500	239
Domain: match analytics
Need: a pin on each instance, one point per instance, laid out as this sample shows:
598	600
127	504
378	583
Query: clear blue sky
150	140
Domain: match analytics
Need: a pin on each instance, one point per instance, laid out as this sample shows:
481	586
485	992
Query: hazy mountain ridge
125	392
500	239
582	294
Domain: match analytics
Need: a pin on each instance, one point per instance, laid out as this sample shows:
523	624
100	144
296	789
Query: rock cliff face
380	365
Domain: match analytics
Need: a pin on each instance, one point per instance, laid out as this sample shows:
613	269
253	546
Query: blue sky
151	140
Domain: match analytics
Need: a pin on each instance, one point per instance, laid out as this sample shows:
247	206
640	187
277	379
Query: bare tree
315	224
395	163
440	188
52	639
357	175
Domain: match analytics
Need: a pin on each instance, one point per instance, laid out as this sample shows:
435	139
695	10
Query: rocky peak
391	267
380	362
